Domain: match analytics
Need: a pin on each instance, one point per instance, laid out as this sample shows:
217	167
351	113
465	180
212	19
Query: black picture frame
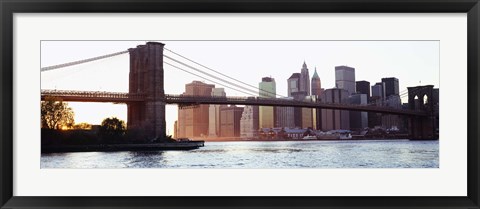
10	7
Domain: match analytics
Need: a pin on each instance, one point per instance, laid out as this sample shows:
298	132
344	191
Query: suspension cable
208	79
251	86
54	67
208	74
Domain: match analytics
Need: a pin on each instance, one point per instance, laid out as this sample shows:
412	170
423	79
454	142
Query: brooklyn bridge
146	98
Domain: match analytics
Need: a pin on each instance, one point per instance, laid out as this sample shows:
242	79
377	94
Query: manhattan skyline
412	62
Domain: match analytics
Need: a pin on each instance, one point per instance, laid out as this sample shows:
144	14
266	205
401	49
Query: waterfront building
345	78
267	113
230	117
249	122
304	84
335	119
214	114
358	120
193	121
285	133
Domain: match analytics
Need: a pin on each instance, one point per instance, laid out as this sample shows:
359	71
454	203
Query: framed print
265	104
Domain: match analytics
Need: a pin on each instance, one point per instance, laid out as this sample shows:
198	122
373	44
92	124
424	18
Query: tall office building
378	99
316	84
363	87
193	121
293	83
249	122
298	111
214	114
267	114
335	119
230	117
285	116
317	92
378	91
391	86
392	121
358	120
345	78
392	99
308	119
304	79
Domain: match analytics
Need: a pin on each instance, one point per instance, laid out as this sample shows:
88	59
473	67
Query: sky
414	63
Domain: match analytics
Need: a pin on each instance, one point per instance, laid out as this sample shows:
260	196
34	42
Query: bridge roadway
117	97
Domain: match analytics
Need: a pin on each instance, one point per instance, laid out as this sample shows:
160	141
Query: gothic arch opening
425	99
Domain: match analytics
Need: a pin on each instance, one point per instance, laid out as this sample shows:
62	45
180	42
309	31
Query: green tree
56	114
112	129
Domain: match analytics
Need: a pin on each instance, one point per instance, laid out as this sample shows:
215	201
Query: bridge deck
115	97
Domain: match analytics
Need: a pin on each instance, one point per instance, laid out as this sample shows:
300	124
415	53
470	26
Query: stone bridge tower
147	119
424	98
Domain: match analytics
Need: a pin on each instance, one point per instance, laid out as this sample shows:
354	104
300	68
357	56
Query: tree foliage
56	114
82	126
112	129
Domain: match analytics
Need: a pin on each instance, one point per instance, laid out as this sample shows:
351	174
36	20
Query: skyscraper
378	91
392	99
317	92
392	121
285	116
363	87
316	84
293	83
249	122
298	111
230	121
391	86
335	119
345	78
304	79
193	121
214	114
358	120
267	114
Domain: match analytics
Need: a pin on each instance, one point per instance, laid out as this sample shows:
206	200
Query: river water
251	154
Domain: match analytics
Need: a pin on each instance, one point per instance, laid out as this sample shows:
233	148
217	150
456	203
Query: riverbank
123	147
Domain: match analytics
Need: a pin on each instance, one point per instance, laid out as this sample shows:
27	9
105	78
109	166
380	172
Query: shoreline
122	147
287	140
186	146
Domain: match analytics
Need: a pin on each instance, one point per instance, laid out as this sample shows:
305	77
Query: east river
253	154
